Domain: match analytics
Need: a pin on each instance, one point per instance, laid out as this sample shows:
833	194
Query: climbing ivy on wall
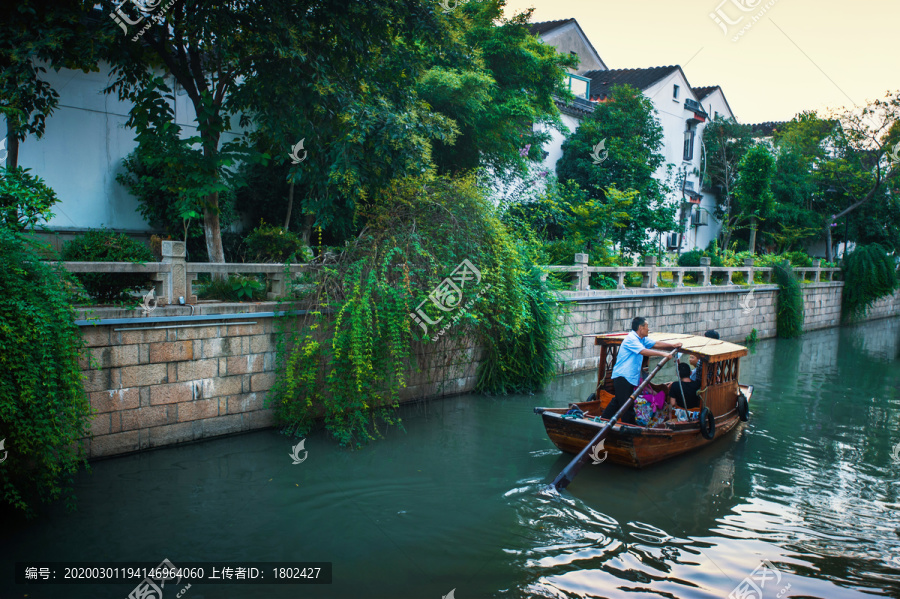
789	312
869	274
433	267
44	410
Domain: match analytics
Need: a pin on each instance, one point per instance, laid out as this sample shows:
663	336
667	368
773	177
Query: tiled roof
545	26
702	92
603	81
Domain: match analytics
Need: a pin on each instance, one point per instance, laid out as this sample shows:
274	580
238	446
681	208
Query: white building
682	110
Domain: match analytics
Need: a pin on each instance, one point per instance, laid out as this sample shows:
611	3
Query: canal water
801	501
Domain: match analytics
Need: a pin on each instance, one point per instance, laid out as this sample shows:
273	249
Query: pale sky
799	55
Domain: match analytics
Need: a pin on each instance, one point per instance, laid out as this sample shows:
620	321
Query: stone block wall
192	380
165	386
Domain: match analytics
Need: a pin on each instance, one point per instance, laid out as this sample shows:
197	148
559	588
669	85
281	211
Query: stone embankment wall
171	378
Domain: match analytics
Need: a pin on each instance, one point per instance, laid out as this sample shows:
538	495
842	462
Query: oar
569	472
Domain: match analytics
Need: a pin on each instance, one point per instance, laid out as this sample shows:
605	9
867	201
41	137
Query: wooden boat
725	402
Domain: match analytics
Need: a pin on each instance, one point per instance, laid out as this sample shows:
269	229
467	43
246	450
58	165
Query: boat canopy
712	350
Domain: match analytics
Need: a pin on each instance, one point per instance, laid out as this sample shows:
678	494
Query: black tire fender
743	407
707	424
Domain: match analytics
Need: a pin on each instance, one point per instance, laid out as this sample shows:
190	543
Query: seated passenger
690	389
695	375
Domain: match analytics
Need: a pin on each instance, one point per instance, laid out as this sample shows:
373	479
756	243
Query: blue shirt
630	360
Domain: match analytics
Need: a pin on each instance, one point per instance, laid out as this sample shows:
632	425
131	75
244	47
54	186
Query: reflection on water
457	500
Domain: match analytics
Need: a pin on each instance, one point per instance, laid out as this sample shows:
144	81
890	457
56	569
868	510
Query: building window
689	144
580	86
675	92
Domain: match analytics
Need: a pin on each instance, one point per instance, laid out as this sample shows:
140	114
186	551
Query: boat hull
630	445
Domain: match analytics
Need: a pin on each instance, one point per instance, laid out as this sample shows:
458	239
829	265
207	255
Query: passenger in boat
690	389
695	375
627	371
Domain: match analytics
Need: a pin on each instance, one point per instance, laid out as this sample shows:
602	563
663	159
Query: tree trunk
12	142
753	234
211	230
306	230
828	254
287	219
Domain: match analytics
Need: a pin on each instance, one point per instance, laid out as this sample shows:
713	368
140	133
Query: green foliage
349	365
753	190
789	313
870	273
44	410
751	339
725	143
268	243
25	199
170	186
633	146
234	288
103	245
35	35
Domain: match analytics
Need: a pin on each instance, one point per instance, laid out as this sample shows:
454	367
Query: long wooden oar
569	472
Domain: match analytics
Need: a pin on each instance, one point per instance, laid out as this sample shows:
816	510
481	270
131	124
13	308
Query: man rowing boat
629	360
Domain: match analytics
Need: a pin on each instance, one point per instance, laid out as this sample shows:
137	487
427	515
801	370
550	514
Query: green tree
864	161
753	190
632	153
348	93
496	90
725	142
36	35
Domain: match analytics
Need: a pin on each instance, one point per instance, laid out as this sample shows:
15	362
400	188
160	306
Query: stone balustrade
705	274
174	277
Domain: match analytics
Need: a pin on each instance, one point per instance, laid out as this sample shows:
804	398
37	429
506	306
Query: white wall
82	149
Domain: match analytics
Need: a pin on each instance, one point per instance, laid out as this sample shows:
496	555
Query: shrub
789	313
798	258
869	273
104	245
25	199
44	409
268	243
235	288
351	361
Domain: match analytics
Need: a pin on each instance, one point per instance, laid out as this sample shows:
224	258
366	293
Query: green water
455	502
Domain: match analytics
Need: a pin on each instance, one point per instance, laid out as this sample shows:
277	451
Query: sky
798	55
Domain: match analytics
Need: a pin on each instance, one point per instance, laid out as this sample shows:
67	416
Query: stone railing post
649	278
704	272
678	277
817	264
173	252
275	281
748	262
621	276
582	276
